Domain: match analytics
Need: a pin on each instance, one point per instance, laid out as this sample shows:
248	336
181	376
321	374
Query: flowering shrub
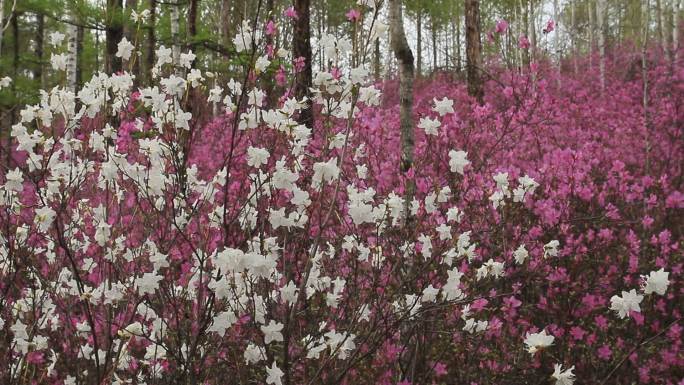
144	243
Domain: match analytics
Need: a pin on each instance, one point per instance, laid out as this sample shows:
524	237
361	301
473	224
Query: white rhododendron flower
5	82
124	49
458	161
656	282
520	254
431	126
538	341
563	377
629	301
551	249
444	106
274	374
256	157
272	332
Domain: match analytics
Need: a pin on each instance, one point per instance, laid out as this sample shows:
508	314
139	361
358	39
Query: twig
645	342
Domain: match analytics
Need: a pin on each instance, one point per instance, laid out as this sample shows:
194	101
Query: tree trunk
590	11
473	49
659	16
72	53
434	46
2	18
644	75
419	42
459	65
573	31
675	29
600	18
404	56
40	41
113	35
151	41
302	48
226	17
80	35
192	22
557	42
175	34
129	32
376	60
532	28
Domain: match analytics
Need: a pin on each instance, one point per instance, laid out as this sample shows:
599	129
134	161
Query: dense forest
436	31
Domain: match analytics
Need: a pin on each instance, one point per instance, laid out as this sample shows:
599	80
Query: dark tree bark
192	22
226	25
80	35
473	49
376	60
302	48
113	35
434	45
40	42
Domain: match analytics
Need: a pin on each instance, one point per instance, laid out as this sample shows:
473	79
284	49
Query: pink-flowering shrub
142	243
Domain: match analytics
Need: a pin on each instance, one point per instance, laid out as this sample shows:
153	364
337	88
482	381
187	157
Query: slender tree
175	33
113	35
226	22
573	37
590	12
434	43
601	18
404	56
151	40
419	40
2	20
72	52
40	41
473	48
192	22
675	29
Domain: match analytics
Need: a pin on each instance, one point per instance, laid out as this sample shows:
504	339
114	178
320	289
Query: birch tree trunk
458	41
72	53
404	57
473	49
601	19
573	31
531	18
175	34
2	18
518	52
592	16
419	42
